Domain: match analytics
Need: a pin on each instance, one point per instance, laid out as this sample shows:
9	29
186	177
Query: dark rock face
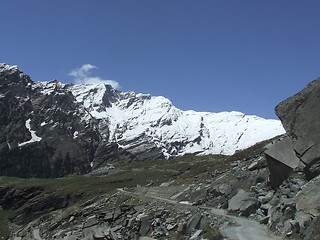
53	118
300	116
45	132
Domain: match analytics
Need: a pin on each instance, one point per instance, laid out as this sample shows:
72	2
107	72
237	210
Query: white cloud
82	76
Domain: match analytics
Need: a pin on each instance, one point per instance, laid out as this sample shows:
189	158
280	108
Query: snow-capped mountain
68	128
140	122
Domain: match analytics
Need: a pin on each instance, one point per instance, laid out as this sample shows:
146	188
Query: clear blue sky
204	55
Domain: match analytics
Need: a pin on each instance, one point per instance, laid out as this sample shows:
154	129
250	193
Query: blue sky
204	55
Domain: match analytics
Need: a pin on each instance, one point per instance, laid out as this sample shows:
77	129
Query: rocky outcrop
292	161
42	134
300	116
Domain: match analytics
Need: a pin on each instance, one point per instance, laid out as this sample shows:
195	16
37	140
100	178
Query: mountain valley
92	162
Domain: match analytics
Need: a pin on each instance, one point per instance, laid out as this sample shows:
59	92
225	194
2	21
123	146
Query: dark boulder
300	116
281	160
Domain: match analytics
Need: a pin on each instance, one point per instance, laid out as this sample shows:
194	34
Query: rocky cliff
44	131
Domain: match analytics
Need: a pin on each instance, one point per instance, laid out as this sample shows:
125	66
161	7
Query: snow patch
34	137
75	134
43	124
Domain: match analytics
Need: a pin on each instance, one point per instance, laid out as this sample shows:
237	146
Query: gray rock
248	207
145	225
170	227
131	222
181	227
236	201
193	223
308	197
281	160
113	235
300	115
266	198
253	166
90	222
275	214
108	217
243	202
287	201
302	218
265	208
98	233
116	228
117	213
264	220
196	235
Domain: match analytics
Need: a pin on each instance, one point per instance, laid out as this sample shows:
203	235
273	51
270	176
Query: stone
108	217
266	198
302	218
98	233
248	207
116	228
145	225
117	213
131	222
242	202
71	237
287	201
275	214
253	166
114	235
181	227
295	225
265	208
264	220
281	160
90	222
196	235
300	115
308	197
170	227
193	222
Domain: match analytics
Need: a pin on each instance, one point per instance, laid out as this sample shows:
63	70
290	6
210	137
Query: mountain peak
141	123
6	67
151	126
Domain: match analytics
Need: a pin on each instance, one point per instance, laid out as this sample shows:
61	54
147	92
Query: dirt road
245	230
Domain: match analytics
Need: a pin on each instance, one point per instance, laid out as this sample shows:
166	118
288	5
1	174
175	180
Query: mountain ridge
99	124
156	119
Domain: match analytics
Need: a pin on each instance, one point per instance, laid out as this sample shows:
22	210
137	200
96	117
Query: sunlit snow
156	120
34	137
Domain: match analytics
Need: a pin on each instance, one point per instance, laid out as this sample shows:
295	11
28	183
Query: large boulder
281	160
300	116
244	203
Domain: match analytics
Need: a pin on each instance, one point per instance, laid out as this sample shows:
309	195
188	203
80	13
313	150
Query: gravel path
245	230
